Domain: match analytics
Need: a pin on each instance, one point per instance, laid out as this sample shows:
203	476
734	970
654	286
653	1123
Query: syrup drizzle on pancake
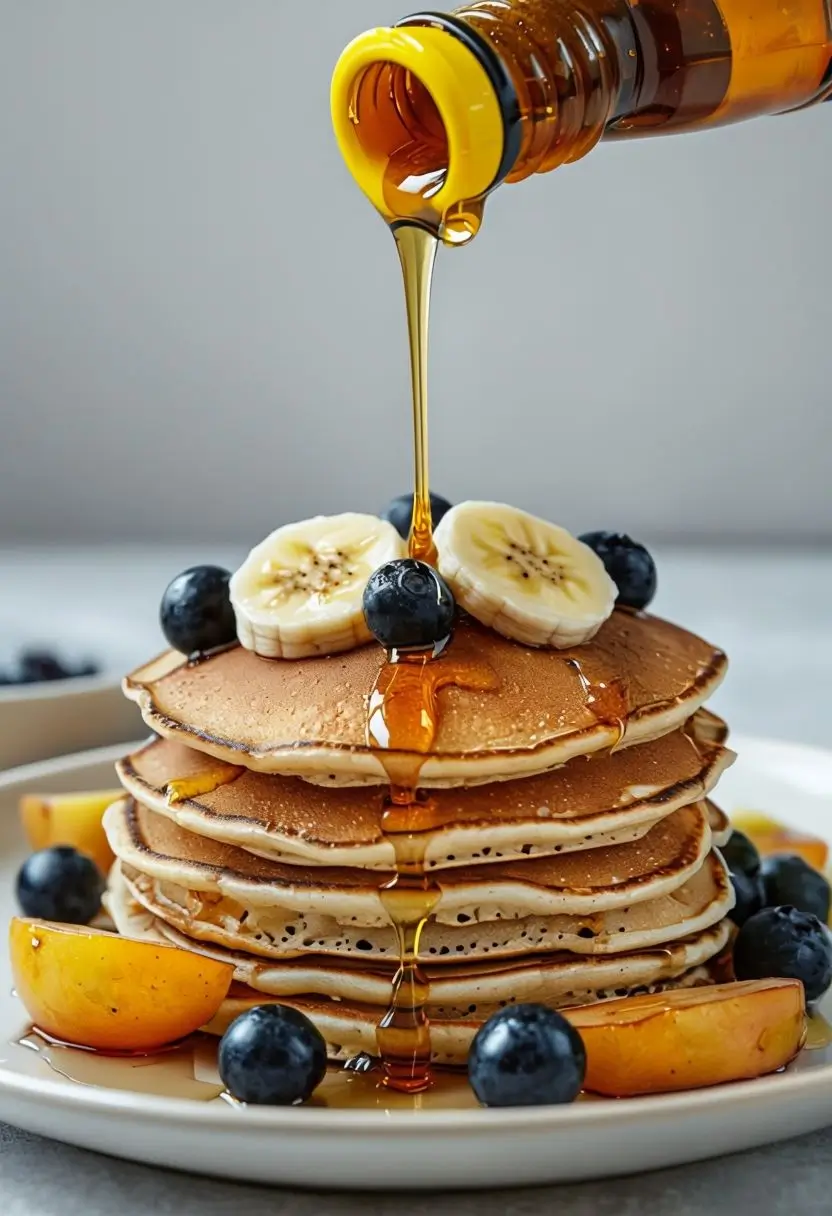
209	779
606	695
402	719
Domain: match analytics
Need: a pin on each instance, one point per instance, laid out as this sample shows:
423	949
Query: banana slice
524	577
299	593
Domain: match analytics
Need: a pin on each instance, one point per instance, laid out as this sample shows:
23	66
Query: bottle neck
434	113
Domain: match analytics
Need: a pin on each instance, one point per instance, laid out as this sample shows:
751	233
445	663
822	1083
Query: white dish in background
96	603
38	721
422	1149
54	718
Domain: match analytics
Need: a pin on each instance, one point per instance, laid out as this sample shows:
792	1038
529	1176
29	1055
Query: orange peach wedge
772	837
100	990
692	1037
75	819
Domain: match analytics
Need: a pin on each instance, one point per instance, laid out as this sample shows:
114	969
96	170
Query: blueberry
272	1055
409	606
749	896
60	884
628	564
527	1055
39	666
782	943
791	880
741	854
400	512
196	613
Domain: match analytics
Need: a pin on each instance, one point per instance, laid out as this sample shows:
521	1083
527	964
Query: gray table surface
771	612
41	1178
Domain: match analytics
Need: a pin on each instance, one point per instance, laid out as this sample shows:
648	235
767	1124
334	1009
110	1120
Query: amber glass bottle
435	112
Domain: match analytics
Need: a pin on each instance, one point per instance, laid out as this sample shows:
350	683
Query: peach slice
97	989
772	837
75	819
689	1038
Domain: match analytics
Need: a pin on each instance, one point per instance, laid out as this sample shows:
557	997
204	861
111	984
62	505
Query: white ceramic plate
422	1149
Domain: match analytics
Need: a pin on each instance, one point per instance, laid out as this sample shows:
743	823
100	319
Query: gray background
201	332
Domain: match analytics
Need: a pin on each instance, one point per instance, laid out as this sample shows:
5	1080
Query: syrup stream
401	725
402	720
417	248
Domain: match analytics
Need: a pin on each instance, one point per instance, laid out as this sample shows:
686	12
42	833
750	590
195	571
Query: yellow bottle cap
465	101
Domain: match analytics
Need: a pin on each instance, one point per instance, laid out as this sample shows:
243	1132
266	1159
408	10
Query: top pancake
308	717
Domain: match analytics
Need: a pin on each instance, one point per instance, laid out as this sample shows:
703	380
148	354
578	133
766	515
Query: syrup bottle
432	114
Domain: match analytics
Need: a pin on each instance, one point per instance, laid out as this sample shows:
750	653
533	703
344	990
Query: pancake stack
573	838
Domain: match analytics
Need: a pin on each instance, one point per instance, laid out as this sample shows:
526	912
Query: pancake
710	728
721	829
594	881
603	901
552	979
556	979
349	1028
699	903
587	803
308	717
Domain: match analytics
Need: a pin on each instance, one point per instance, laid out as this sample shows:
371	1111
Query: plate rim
149	1107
